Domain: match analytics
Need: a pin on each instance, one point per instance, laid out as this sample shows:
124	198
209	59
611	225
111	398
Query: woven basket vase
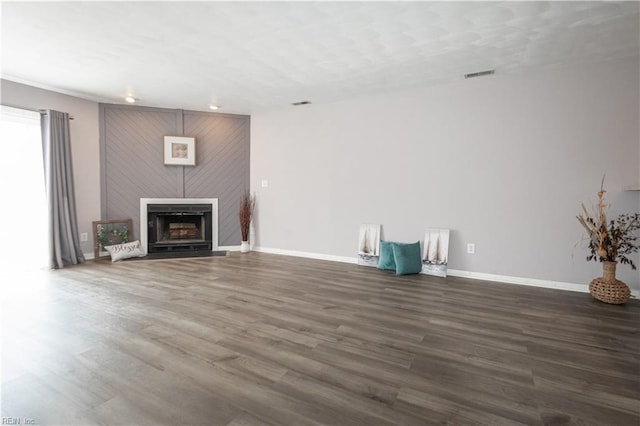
607	288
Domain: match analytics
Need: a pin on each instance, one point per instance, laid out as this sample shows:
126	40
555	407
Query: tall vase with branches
245	214
610	241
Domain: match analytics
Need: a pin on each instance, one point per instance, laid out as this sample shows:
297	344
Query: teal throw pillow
407	258
386	260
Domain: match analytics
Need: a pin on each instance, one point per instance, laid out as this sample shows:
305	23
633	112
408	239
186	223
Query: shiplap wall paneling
132	140
222	171
133	161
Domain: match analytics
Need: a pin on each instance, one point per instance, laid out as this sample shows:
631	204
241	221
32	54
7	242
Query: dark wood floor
265	339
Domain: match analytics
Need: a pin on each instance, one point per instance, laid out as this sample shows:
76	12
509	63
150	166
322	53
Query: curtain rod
41	111
44	112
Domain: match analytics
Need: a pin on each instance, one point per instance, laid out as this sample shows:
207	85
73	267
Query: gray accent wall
132	165
503	161
223	142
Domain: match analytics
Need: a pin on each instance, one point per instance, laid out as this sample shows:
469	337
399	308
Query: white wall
85	145
503	161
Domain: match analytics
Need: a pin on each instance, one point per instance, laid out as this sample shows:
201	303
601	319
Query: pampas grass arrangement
247	207
610	240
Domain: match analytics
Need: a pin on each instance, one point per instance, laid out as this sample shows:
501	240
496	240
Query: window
23	211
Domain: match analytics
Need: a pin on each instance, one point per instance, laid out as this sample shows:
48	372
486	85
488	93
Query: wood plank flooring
255	339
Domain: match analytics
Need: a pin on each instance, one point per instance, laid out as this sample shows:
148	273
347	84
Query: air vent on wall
301	103
479	73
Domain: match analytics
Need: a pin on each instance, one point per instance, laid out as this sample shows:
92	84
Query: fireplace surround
179	225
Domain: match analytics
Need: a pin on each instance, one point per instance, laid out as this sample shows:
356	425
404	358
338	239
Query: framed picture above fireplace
179	151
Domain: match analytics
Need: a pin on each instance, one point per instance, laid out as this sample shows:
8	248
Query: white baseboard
532	282
308	255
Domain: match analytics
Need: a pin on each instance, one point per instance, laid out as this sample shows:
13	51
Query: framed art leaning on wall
110	232
436	252
179	151
369	244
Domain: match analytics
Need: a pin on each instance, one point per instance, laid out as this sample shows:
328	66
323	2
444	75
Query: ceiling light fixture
214	107
130	99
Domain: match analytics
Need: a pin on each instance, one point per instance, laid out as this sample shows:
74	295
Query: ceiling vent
479	74
301	103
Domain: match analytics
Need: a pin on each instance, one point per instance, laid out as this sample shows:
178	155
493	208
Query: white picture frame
179	151
369	244
435	253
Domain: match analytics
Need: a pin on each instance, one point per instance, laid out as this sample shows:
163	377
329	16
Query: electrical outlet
471	248
265	183
84	236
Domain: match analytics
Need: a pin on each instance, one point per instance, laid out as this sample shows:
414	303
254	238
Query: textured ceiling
250	56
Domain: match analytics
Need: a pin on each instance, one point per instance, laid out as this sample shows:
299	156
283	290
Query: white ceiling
250	56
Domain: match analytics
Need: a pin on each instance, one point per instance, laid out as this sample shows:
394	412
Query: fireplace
179	225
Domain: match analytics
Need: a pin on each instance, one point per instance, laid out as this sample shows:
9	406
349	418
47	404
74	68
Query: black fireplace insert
179	228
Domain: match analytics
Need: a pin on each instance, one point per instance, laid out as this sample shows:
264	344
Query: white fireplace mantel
144	202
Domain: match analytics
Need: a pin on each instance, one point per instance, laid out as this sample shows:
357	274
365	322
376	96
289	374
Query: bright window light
24	213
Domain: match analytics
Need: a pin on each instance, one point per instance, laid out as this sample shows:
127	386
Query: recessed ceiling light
130	99
214	107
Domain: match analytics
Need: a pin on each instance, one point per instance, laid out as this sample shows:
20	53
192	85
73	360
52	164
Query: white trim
144	202
229	248
330	257
532	282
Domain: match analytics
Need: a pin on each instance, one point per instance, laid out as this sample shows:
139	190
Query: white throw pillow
125	251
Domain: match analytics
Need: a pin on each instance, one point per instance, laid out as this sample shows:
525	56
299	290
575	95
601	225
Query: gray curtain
64	246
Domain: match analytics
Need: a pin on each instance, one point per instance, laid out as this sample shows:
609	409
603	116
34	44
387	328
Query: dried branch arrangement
247	206
610	240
